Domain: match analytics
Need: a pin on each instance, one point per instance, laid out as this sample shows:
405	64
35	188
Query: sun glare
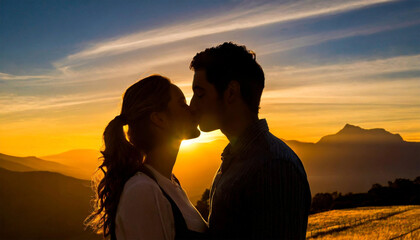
188	143
204	138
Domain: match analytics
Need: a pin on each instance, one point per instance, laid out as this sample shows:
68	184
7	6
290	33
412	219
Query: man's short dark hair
228	62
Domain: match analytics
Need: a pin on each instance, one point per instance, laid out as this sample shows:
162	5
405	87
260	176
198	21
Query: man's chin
205	128
193	134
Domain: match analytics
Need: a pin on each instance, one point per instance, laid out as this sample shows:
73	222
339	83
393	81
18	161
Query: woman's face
182	123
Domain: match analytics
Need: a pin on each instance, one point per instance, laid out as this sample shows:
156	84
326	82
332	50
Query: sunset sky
64	65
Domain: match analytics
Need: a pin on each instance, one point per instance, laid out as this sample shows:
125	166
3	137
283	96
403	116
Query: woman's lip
195	120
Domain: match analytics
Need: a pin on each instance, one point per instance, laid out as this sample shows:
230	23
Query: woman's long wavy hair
123	156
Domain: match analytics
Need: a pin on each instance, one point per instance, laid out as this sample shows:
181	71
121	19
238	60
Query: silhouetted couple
260	190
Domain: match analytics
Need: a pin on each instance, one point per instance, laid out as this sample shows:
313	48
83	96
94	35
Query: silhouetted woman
138	196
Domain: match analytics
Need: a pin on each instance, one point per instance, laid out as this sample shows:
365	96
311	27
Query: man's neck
234	128
162	158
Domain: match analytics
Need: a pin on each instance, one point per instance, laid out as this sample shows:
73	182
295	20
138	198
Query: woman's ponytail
120	162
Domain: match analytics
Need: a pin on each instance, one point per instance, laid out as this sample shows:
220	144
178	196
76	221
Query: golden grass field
389	222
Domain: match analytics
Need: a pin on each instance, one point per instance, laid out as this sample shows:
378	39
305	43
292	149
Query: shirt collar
161	180
246	138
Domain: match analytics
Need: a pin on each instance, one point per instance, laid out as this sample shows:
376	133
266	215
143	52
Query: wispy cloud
314	39
345	83
234	20
361	70
106	69
401	92
12	104
5	76
128	66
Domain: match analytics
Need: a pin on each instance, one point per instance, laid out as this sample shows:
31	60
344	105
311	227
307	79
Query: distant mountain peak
352	133
349	127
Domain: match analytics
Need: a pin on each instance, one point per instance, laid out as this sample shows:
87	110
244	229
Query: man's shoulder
273	149
268	145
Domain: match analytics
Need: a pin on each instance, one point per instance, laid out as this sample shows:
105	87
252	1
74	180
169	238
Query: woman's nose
193	104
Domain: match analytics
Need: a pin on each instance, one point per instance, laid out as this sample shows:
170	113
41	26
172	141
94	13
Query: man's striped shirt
260	190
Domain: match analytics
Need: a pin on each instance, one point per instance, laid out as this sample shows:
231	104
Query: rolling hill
86	160
43	205
24	164
14	166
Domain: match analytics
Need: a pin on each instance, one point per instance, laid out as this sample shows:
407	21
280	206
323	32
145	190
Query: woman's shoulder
140	183
143	206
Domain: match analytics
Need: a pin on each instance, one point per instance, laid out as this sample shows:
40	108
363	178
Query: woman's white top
145	213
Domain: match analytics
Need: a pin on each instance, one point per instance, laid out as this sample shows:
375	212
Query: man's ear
158	119
233	91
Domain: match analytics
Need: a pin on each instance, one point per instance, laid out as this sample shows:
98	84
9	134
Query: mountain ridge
351	159
352	133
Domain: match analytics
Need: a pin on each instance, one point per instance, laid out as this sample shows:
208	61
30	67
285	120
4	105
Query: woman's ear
233	91
158	119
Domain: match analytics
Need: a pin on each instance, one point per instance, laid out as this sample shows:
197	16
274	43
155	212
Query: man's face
205	103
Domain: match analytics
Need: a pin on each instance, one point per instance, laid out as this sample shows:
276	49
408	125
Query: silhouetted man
260	190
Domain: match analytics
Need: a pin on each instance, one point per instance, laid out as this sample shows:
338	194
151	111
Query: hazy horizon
191	143
350	160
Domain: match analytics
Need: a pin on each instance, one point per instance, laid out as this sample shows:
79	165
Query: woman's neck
162	158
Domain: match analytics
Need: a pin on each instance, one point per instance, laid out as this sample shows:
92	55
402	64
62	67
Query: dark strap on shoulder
176	180
181	230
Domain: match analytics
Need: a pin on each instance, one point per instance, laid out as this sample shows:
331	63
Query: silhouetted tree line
400	192
203	204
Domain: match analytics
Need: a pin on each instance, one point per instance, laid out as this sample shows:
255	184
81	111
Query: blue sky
37	33
66	63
